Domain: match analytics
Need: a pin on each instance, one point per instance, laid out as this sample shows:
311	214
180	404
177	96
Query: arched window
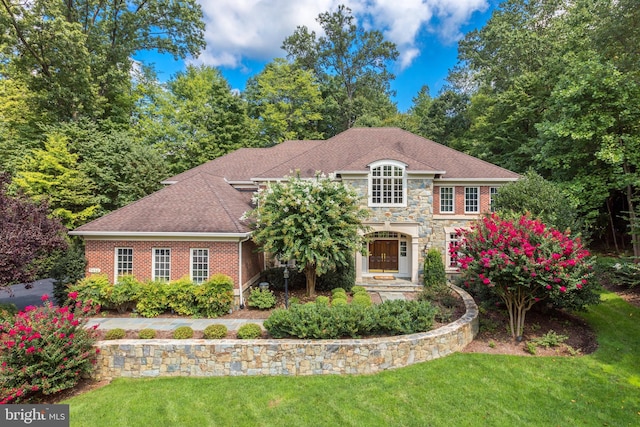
387	184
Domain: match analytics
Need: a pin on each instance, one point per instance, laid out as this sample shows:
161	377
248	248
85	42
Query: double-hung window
161	264
471	199
492	197
446	199
199	265
124	262
387	184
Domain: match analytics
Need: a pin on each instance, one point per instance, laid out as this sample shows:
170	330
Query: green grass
601	389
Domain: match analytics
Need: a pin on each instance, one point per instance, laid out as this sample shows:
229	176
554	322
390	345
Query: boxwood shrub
249	331
216	331
312	321
183	333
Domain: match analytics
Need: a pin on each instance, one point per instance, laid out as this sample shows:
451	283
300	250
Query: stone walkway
165	323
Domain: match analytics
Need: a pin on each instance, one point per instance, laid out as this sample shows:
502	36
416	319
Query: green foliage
147	334
261	299
540	198
336	291
93	288
115	334
400	317
44	350
68	268
343	276
76	57
249	331
363	299
352	65
434	272
322	300
194	118
123	296
214	332
550	339
215	296
287	101
321	322
358	290
181	297
7	311
152	300
625	272
182	333
338	301
53	174
316	222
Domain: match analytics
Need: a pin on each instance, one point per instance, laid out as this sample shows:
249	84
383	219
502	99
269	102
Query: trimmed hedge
313	321
212	298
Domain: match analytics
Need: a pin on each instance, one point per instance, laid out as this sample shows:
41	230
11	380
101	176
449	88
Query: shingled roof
199	204
203	199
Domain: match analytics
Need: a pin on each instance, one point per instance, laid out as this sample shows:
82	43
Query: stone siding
153	358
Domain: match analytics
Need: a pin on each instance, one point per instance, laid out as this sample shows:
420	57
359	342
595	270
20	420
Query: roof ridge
223	203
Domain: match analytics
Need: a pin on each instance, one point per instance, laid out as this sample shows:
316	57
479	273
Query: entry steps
372	285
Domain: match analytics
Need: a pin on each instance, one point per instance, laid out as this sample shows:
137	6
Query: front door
383	256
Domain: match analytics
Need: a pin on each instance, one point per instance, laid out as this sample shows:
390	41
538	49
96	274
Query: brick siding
223	257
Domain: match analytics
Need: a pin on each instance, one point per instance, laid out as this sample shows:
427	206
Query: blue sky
243	35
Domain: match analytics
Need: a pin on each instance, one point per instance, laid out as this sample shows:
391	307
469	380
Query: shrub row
212	298
218	331
318	321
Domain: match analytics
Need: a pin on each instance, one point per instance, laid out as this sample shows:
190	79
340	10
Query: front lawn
460	390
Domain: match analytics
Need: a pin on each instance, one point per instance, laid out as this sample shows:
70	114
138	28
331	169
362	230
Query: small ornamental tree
27	236
316	222
522	262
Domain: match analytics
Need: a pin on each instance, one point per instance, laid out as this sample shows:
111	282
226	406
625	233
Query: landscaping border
232	357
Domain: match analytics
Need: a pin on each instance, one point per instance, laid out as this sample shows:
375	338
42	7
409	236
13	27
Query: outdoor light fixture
285	274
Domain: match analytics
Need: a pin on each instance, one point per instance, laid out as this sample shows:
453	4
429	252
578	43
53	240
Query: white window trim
478	200
153	263
448	231
492	192
191	263
116	274
453	200
393	163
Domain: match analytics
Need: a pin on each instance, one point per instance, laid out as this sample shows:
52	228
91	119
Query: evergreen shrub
249	331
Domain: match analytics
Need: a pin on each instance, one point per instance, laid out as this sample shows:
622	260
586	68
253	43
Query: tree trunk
633	219
310	273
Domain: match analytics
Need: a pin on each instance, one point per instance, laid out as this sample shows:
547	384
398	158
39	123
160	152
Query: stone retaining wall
152	358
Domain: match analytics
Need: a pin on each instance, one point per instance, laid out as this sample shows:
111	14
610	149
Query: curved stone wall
152	358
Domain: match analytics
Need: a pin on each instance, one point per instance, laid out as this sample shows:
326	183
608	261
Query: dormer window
387	184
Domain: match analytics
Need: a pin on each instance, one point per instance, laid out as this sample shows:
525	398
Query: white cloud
239	30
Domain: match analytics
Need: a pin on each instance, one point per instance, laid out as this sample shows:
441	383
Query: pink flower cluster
526	252
39	345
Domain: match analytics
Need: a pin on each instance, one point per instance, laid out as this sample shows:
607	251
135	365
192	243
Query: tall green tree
121	167
443	118
352	64
316	222
286	101
76	56
53	174
194	118
556	89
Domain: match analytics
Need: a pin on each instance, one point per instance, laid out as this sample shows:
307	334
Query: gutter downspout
240	283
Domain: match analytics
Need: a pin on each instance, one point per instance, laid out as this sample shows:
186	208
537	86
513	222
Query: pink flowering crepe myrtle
522	262
45	349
